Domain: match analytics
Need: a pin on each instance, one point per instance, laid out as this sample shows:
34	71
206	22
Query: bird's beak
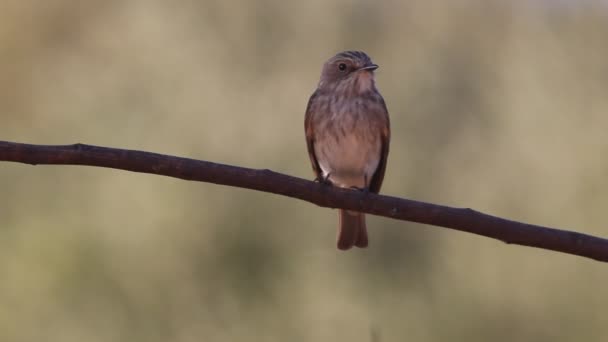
370	67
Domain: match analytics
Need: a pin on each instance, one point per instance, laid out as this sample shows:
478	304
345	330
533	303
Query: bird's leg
323	179
365	189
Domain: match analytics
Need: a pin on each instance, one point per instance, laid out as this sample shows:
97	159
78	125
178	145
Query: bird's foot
364	190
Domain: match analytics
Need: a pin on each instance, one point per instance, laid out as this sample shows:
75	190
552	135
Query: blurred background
498	106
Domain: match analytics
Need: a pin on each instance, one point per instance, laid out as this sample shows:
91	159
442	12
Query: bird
347	130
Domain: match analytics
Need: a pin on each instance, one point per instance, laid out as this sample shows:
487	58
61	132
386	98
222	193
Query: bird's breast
348	147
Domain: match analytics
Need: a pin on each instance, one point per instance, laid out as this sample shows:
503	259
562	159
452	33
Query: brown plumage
348	134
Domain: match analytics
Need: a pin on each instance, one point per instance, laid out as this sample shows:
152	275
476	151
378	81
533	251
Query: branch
463	219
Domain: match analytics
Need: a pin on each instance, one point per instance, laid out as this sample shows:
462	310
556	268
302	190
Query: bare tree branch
463	219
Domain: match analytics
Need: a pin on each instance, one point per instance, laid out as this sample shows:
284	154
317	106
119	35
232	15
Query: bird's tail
352	230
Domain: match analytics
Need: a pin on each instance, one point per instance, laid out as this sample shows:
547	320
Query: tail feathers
352	230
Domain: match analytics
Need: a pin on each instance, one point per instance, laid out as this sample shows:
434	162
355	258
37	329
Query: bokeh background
498	106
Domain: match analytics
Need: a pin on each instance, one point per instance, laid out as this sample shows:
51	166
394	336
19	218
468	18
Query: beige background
496	106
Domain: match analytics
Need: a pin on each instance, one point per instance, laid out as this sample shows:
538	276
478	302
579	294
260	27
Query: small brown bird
348	134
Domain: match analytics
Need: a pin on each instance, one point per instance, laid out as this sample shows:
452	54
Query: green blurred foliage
499	106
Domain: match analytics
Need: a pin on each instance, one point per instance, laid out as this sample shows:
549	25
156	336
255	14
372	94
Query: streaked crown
358	57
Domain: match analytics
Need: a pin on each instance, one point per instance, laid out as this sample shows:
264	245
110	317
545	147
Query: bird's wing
385	134
310	136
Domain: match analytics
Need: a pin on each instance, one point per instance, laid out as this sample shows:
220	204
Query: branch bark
463	219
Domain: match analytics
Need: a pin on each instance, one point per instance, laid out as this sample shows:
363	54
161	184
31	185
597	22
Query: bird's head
348	72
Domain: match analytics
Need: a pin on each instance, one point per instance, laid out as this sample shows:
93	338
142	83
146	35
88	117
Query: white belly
351	159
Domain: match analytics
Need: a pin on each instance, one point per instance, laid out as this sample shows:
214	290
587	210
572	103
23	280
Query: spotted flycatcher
348	133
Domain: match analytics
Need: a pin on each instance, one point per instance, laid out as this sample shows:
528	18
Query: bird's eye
342	66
